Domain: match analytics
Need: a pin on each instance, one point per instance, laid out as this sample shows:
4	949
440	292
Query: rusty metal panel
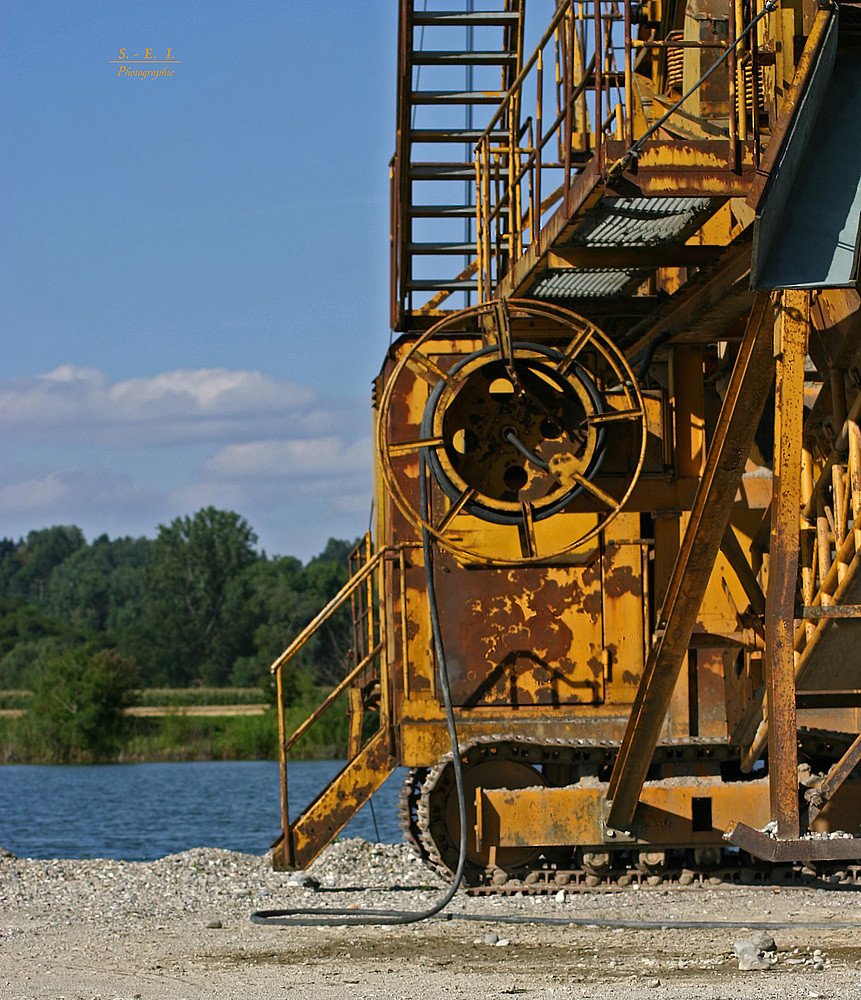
686	373
711	708
531	636
706	22
573	814
540	816
622	588
424	739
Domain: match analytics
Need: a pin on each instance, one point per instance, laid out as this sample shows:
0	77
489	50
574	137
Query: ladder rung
470	135
458	58
442	171
470	18
455	285
441	248
441	211
456	97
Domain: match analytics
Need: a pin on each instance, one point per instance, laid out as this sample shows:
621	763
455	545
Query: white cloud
124	457
39	496
330	455
73	403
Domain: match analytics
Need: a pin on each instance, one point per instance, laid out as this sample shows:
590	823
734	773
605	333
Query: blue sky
194	268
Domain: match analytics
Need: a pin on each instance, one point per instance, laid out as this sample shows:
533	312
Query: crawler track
429	825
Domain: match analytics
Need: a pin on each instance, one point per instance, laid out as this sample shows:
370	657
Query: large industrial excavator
617	453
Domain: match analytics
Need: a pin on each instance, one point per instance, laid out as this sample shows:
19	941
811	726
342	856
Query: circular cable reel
512	433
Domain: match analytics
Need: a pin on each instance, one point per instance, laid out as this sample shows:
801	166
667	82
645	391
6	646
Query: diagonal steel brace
729	450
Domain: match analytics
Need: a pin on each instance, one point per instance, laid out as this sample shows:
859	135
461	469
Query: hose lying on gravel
292	917
320	916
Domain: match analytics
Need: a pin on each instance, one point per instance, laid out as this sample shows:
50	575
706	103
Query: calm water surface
138	812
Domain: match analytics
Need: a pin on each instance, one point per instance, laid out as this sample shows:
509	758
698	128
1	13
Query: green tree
25	631
77	712
26	567
275	604
284	598
100	586
324	577
195	619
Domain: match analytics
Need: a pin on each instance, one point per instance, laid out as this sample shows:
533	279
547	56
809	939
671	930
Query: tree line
197	605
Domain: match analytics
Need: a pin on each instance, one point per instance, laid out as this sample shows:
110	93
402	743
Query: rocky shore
179	928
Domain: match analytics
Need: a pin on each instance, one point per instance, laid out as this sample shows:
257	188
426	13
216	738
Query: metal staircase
454	67
369	760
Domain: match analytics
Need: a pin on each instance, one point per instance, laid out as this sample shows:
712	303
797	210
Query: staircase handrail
332	697
561	11
349	587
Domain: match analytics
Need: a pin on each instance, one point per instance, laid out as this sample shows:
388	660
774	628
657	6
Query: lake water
137	812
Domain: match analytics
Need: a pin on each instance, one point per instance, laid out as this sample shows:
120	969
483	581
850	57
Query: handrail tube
732	81
634	151
521	76
330	609
332	697
536	153
599	101
629	73
575	93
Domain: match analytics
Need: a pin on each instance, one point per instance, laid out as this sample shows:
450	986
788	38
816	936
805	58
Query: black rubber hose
319	916
497	918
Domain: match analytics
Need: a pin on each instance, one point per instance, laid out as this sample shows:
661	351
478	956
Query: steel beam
645	257
760	845
730	447
740	564
707	289
791	326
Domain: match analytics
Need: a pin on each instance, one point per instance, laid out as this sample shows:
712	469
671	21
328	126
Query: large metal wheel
515	431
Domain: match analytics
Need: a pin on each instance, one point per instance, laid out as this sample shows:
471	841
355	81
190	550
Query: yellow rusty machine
618	457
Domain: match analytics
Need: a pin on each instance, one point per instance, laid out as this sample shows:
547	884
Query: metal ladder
442	89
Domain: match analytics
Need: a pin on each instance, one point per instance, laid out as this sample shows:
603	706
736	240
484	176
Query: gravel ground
179	928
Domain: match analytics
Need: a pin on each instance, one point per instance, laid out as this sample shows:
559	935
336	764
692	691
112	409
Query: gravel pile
355	862
217	885
208	883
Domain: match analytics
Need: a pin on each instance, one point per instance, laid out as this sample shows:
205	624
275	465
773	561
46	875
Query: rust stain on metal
622	581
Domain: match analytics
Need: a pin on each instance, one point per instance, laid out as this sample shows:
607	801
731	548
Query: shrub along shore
177	736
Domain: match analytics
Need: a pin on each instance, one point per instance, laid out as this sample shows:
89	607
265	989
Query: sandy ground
68	952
